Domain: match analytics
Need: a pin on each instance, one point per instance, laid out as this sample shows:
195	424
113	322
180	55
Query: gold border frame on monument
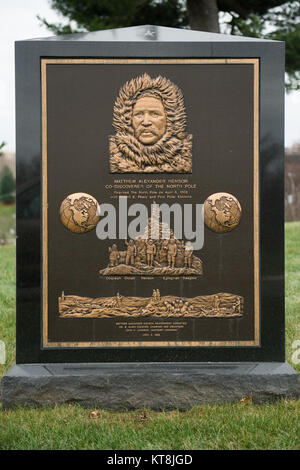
114	344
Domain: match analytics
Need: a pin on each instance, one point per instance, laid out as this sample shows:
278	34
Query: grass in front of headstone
239	426
230	426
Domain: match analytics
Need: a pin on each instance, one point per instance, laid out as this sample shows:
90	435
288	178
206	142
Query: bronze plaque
147	131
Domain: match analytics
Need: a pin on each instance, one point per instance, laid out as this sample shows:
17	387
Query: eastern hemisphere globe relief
79	212
222	212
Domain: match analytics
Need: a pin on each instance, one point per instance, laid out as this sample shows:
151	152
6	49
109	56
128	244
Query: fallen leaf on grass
247	401
143	416
95	414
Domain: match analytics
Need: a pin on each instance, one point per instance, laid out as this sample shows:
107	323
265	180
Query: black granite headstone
161	116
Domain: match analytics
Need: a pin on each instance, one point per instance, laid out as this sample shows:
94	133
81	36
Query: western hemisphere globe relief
222	212
79	212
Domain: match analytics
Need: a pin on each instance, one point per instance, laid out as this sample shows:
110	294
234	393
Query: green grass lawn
7	220
292	287
229	426
8	303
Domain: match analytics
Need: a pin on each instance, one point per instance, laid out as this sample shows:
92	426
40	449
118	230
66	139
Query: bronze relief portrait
149	120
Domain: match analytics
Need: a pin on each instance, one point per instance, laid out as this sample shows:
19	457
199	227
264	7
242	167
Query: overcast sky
19	21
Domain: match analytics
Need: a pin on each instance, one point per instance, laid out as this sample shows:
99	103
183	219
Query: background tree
269	19
7	186
292	183
1	147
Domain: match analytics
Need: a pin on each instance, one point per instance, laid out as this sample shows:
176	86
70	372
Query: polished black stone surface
149	42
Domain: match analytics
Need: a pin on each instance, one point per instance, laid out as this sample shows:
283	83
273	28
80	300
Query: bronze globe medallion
79	212
222	212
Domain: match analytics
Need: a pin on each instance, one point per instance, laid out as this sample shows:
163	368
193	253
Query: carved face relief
149	120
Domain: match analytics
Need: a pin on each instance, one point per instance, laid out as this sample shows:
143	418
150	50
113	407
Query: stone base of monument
159	386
